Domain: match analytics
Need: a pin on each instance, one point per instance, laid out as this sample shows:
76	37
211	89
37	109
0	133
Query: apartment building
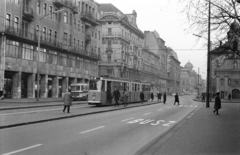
69	37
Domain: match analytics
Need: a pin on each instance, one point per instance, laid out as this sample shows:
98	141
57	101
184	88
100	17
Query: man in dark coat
142	96
164	98
159	96
116	95
217	104
67	101
176	99
152	96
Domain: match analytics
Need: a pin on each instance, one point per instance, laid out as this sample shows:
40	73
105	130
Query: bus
101	90
79	91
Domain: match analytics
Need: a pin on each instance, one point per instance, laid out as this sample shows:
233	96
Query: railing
66	3
116	34
89	17
88	38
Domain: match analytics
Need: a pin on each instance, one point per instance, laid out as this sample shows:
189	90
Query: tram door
109	92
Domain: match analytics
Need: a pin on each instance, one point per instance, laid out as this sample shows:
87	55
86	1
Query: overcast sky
166	18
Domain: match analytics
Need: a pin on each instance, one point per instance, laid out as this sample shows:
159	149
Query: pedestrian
125	98
142	96
164	98
176	99
203	97
217	104
116	96
152	96
229	96
109	96
159	96
67	101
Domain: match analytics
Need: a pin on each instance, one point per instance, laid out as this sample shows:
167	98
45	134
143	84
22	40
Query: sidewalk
202	133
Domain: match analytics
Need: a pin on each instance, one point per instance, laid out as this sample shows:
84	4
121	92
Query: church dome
188	66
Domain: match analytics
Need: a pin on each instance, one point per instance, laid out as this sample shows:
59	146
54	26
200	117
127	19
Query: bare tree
223	14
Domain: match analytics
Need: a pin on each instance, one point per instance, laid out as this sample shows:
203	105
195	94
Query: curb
71	116
162	138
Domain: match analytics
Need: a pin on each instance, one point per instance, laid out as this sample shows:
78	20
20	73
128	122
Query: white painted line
181	106
159	109
24	149
93	129
189	116
147	113
127	119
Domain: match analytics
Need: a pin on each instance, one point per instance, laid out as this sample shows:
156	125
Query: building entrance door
235	94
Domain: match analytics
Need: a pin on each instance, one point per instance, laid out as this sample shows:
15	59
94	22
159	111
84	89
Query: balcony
88	38
66	3
88	17
28	13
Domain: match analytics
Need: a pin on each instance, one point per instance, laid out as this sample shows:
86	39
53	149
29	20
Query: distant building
227	67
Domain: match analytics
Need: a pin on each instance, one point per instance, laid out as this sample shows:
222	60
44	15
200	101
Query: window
99	36
44	9
12	48
82	28
92	34
55	36
78	63
70	20
109	57
44	36
56	15
62	59
65	35
82	45
71	61
70	40
38	8
17	2
51	12
222	82
16	23
74	23
8	19
65	19
235	65
27	52
49	35
109	31
42	55
109	44
52	57
74	42
78	25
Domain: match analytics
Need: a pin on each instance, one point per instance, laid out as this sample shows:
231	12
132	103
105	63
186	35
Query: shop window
27	52
222	82
62	59
12	49
52	57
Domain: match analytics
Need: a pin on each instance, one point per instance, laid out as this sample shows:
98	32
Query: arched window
222	82
229	82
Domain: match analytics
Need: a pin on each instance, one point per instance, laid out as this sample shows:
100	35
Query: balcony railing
28	13
32	35
66	3
89	17
116	34
88	38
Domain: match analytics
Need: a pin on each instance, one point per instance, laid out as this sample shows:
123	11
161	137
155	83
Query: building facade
70	41
174	73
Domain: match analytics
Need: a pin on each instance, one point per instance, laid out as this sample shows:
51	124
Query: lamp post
38	48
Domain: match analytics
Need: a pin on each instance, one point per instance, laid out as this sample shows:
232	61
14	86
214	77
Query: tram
79	91
101	90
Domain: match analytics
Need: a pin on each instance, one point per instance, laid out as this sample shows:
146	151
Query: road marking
159	109
168	107
181	106
189	116
147	113
127	119
92	129
24	149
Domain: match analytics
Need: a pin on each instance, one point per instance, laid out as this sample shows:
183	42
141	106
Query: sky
166	18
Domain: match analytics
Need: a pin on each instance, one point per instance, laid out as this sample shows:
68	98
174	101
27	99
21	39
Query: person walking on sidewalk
142	96
116	95
217	104
125	98
164	98
67	101
152	96
229	96
176	99
159	96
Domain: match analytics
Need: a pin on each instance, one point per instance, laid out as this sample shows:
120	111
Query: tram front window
95	84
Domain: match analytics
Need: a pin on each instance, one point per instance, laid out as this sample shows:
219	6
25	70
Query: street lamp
208	54
38	48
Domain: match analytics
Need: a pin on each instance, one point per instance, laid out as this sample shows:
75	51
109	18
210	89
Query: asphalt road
121	132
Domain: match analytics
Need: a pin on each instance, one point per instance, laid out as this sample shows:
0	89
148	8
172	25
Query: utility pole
208	55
